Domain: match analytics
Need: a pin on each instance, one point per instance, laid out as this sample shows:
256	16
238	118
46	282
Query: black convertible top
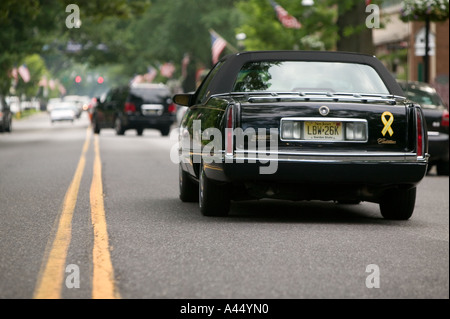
232	64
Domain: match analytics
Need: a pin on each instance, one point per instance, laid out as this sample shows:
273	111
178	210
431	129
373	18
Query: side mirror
183	99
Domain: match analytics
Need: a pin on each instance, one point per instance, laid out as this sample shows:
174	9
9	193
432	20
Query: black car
138	106
5	116
299	125
437	118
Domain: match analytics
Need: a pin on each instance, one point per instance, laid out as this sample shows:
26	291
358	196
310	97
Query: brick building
396	44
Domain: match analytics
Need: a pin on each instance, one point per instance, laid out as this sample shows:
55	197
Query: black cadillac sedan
299	125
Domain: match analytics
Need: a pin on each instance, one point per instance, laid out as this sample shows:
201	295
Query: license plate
323	131
150	112
152	109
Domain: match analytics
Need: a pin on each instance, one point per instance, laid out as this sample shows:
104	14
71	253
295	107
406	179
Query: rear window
427	98
153	95
310	76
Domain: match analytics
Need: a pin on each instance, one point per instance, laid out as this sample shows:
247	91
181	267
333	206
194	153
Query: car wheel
442	168
140	131
398	204
165	131
214	199
188	188
9	128
95	127
118	126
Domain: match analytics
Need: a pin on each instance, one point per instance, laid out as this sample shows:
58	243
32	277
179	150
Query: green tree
28	26
353	34
163	32
38	70
326	25
265	32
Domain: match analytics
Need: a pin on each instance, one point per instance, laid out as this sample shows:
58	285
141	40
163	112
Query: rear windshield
427	98
301	76
150	95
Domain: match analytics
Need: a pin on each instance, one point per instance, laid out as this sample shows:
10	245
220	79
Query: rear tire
398	204
442	168
9	128
214	198
188	188
118	127
140	131
95	127
165	131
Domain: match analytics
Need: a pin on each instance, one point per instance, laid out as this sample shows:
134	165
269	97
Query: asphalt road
151	245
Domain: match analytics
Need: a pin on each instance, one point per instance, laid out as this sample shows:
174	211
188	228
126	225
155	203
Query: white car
63	112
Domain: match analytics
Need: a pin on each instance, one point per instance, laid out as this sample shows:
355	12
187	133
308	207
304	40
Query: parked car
63	111
299	125
139	106
5	116
437	119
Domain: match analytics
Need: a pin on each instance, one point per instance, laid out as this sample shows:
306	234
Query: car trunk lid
315	124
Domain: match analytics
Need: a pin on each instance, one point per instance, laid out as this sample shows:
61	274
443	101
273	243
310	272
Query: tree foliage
265	32
135	34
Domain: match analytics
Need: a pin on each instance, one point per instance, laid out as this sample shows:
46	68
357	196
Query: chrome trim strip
335	157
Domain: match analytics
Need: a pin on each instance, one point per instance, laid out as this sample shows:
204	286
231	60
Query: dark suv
5	116
437	118
138	107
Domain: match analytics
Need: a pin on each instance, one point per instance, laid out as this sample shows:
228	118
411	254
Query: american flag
218	44
285	18
24	73
184	65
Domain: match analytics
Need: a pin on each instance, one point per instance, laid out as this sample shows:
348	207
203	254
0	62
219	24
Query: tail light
130	107
444	121
229	132
420	135
172	108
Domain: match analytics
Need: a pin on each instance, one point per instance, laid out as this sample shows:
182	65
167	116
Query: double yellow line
51	276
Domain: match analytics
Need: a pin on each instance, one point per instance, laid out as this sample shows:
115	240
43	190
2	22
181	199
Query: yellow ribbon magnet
387	123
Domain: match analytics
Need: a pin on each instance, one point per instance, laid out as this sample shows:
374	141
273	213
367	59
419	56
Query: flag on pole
184	65
218	44
43	82
24	73
14	73
285	18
